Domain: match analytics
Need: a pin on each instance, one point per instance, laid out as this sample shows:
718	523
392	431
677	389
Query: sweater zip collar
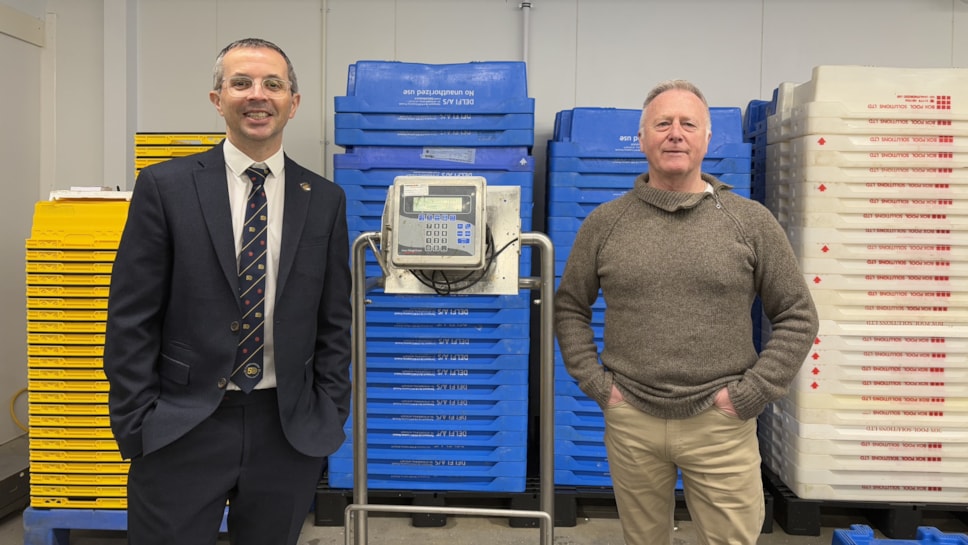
671	201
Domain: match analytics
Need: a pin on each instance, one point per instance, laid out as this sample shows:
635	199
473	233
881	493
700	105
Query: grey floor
602	529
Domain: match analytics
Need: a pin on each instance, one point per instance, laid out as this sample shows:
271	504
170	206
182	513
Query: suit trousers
718	455
238	455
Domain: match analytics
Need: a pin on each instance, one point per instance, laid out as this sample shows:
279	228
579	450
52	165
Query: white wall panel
20	155
904	33
177	44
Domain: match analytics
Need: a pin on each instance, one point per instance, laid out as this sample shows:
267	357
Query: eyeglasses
242	85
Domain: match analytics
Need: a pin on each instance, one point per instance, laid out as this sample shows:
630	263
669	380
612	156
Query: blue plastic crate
454	406
446	390
423	482
443	466
378	299
443	421
435	122
580	419
451	329
430	437
576	210
582	478
580	447
494	377
402	87
446	361
514	159
457	345
412	138
613	132
447	316
581	462
466	452
594	434
372	184
860	534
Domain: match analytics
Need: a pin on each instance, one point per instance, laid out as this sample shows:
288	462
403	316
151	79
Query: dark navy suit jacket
174	313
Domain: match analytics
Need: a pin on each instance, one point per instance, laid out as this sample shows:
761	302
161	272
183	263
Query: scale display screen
437	222
438	204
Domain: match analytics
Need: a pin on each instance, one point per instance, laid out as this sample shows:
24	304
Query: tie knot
257	173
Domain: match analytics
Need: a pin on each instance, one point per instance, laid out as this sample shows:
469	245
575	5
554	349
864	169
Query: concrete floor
468	530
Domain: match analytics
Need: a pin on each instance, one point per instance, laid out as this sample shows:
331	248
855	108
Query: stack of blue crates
754	132
447	375
594	157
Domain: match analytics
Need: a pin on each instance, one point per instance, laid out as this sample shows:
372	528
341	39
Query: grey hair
680	85
218	73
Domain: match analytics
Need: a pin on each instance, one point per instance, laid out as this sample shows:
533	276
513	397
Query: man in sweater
679	260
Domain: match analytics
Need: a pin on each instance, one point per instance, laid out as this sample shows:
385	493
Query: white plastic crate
940	267
829	118
800	152
898	423
861	447
879	220
890	462
919	238
891	341
925	387
907	297
877	91
898	400
895	328
782	170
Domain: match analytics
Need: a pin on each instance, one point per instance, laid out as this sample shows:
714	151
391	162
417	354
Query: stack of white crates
867	170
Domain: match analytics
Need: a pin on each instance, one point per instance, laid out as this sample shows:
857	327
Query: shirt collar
238	161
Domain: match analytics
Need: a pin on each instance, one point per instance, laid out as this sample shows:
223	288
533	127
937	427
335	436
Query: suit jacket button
222	383
234	327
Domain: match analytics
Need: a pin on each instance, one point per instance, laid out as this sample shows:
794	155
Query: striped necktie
252	284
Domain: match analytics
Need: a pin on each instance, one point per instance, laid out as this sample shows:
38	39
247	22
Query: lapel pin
305	186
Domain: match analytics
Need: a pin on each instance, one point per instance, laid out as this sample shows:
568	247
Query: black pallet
569	504
331	504
592	502
896	520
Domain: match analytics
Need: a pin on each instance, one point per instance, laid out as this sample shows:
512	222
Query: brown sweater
679	273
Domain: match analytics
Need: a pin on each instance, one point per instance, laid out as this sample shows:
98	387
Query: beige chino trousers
718	455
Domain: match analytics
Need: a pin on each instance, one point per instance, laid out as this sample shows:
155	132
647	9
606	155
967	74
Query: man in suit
178	402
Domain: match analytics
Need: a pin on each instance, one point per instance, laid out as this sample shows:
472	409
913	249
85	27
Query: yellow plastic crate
56	350
77	479
68	291
92	241
99	256
87	303
79	491
68	503
168	152
66	374
85	456
67	315
68	409
65	327
68	385
80	215
36	399
72	444
106	468
64	338
70	267
178	139
71	363
51	279
70	433
51	421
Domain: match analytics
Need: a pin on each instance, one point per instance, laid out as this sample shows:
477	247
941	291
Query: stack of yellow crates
151	147
74	461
